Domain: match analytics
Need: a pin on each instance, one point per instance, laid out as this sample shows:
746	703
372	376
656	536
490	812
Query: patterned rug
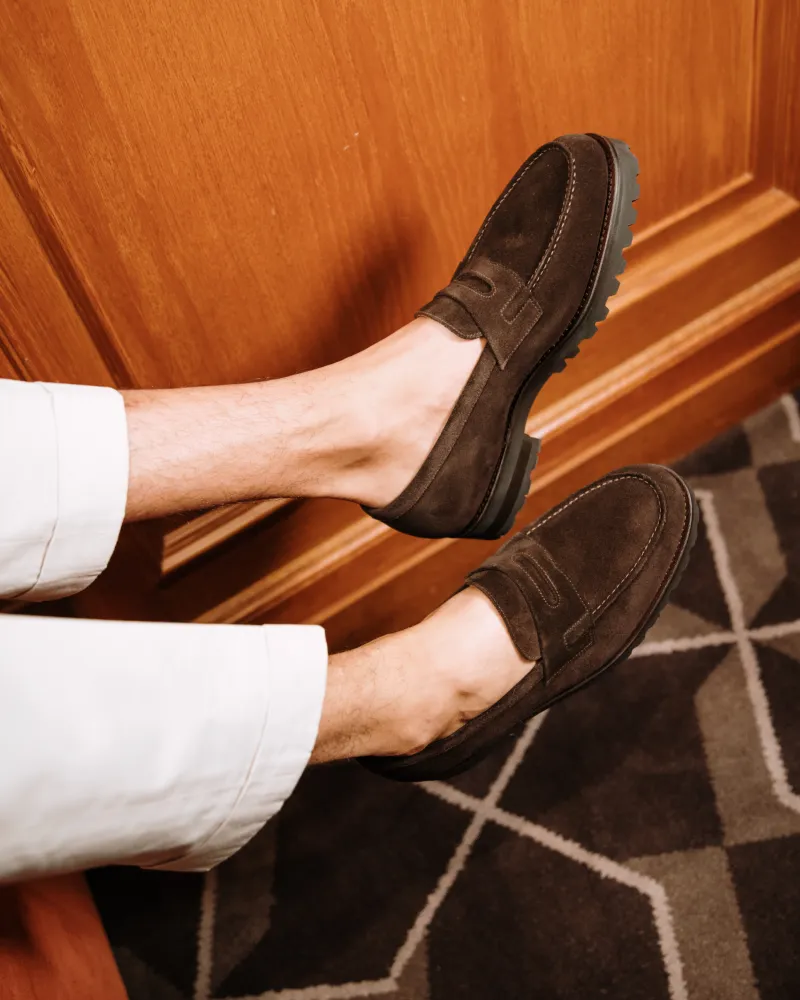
641	840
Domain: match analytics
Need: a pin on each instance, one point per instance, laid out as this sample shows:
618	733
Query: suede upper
521	285
577	590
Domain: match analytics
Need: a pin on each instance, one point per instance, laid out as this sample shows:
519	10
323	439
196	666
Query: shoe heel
517	491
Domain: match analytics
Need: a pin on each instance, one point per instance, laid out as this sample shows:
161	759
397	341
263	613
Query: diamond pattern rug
641	840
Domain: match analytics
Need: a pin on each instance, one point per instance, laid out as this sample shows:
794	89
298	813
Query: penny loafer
534	284
577	590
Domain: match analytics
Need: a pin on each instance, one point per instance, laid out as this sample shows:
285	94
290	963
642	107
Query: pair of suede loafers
578	588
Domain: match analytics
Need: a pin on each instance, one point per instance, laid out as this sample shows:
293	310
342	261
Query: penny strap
497	300
545	615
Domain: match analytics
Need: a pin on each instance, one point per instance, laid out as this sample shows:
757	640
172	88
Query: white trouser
166	745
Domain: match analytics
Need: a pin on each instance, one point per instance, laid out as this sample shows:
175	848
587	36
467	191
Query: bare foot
358	429
403	691
402	389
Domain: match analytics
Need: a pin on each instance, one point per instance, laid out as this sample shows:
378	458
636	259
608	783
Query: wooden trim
694	240
298	574
586	403
696	210
776	108
205	531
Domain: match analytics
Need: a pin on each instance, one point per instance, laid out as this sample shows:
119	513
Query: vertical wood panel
41	334
251	189
777	106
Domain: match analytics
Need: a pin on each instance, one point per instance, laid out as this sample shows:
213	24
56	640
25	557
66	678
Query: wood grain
217	192
41	333
248	190
195	536
718	387
52	944
776	150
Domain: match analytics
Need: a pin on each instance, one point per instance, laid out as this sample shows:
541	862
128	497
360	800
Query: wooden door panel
243	190
775	149
41	331
252	189
192	193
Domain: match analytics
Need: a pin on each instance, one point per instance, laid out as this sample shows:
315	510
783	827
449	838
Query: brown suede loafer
534	284
578	589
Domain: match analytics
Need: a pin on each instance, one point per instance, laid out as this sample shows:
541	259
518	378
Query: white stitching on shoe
561	224
559	510
503	197
603	604
517	286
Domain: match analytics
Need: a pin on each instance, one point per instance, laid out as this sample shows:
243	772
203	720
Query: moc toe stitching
638	562
562	219
648	545
499	204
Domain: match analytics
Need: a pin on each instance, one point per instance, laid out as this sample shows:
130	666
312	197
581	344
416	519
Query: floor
640	840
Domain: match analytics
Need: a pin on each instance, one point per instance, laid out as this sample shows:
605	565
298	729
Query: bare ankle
404	389
400	693
381	700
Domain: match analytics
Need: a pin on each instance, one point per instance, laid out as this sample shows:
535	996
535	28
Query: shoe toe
606	535
518	232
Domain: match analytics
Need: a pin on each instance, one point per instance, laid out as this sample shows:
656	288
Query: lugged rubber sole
521	452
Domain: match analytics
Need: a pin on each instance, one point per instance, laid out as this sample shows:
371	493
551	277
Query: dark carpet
641	840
